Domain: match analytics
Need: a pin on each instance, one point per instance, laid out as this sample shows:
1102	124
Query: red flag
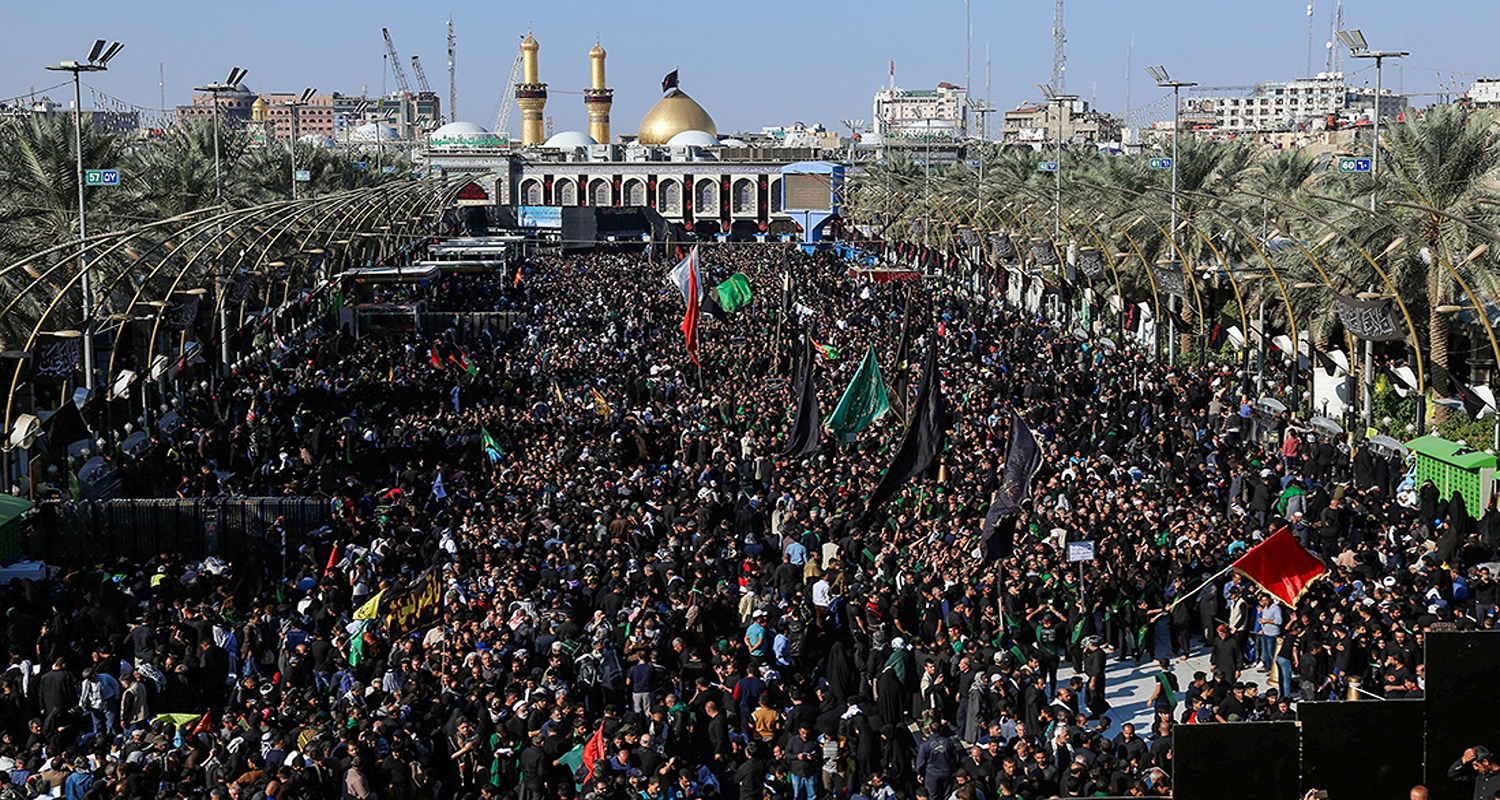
205	725
332	557
518	276
593	750
690	319
1280	566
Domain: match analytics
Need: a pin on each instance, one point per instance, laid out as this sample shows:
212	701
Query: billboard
539	216
812	191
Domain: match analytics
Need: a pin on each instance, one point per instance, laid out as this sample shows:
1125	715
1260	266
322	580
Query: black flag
1473	403
1022	458
807	428
926	429
670	82
901	362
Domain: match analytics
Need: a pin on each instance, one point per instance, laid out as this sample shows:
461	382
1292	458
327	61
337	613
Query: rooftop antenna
1310	36
1129	68
1059	41
968	54
452	74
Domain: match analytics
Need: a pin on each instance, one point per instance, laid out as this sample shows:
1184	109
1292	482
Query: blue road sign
1046	166
1160	163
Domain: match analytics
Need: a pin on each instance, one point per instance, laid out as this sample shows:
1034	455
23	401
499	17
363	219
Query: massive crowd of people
642	599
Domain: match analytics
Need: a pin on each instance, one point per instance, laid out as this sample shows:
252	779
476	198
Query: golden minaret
531	94
598	99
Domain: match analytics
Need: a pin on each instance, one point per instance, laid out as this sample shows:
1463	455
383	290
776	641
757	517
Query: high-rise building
1305	103
921	112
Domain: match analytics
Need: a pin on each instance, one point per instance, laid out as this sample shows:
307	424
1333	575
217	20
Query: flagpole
1185	595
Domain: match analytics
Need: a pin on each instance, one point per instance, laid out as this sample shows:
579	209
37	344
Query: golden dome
672	115
259	109
597	51
529	43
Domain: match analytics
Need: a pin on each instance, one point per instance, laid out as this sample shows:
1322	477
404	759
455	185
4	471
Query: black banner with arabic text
418	606
1368	319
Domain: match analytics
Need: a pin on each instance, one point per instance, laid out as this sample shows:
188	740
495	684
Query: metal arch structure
1122	230
168	255
1105	250
1385	278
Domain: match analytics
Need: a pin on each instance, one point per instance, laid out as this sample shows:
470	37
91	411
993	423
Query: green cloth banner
735	292
864	402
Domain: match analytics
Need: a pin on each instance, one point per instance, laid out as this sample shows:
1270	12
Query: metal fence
92	531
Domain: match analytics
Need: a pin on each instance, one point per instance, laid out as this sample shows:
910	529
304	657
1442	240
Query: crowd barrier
93	531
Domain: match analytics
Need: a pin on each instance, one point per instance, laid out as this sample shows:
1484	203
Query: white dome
570	139
730	141
371	132
315	140
693	139
457	128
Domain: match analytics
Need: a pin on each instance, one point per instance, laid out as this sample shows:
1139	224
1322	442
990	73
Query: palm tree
39	208
39	182
1443	162
176	173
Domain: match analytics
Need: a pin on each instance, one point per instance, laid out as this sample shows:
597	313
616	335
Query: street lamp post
293	106
1159	74
1355	41
1062	101
98	61
230	84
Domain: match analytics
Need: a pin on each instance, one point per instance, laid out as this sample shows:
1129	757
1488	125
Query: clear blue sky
750	64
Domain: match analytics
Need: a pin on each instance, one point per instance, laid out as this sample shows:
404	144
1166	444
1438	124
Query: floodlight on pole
1159	74
1359	48
1053	96
293	106
230	83
98	61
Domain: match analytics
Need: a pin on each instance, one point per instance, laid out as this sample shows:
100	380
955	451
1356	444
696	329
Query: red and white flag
685	277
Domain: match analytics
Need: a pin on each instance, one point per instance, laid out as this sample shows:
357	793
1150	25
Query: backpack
796	635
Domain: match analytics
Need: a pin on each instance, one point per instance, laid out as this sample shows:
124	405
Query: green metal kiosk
1454	468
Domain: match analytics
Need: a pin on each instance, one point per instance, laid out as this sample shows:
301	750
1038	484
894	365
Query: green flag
864	402
491	449
734	292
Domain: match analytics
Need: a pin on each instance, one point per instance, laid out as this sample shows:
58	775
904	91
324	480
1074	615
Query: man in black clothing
1478	767
1227	657
751	776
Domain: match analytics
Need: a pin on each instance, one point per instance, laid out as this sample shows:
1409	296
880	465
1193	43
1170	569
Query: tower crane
416	66
507	98
400	74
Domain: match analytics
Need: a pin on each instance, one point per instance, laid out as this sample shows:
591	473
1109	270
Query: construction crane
400	74
452	74
507	98
416	66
